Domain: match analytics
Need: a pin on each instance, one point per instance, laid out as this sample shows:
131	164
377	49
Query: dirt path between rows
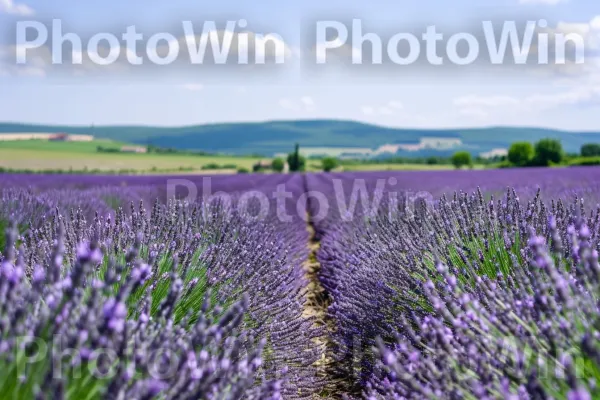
316	306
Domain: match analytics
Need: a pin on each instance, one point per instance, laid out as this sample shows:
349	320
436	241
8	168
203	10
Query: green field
396	167
39	155
69	147
402	167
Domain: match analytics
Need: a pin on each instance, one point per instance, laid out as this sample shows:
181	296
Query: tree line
297	162
544	153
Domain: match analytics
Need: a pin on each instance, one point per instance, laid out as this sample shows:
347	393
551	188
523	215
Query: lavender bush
67	333
214	294
555	183
464	297
470	299
31	205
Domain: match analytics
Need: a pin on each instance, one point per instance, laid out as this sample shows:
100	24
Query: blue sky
415	96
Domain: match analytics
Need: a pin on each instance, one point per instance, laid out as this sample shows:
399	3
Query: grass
402	167
41	155
45	145
44	156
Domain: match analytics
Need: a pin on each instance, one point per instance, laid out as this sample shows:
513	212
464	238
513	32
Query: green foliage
547	152
329	163
112	201
243	171
102	149
520	153
4	224
80	381
122	171
190	301
296	162
505	164
462	159
3	227
278	165
170	150
590	150
210	166
215	166
585	161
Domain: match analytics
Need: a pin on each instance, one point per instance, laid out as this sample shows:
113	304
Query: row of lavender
443	290
347	192
489	293
184	300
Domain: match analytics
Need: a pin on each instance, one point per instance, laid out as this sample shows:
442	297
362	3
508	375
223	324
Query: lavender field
379	285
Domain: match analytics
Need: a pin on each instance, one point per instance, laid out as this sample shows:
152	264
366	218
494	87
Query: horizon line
271	121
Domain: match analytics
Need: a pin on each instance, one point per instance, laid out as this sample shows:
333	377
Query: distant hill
268	138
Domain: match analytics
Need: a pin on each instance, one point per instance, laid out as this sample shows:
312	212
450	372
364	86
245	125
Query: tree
548	151
520	153
296	161
329	163
278	165
432	160
590	150
461	159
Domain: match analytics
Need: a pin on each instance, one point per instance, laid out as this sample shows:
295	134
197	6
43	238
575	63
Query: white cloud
396	105
588	31
194	87
268	46
391	108
10	7
32	72
474	112
485	101
340	51
367	110
574	27
575	84
485	106
580	42
41	59
307	101
38	61
303	104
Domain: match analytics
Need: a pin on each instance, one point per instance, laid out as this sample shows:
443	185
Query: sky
419	95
